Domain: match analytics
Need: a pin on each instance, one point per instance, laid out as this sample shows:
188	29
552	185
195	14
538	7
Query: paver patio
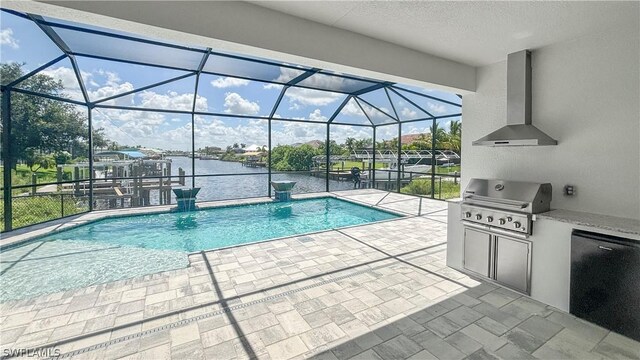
377	291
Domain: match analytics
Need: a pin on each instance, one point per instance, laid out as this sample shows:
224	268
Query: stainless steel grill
504	207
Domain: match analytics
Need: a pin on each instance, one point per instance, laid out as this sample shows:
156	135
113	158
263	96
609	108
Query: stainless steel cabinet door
477	251
512	263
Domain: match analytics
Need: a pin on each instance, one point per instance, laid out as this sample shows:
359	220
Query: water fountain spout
186	199
282	190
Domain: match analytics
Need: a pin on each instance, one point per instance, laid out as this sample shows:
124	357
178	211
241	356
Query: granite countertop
605	222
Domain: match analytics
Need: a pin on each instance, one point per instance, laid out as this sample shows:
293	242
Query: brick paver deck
378	291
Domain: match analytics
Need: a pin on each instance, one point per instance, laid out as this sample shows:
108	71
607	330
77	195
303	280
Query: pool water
124	247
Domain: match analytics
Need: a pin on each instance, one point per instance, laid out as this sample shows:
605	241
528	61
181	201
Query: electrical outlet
569	190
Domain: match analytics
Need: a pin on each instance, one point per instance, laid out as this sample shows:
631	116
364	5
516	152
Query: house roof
134	154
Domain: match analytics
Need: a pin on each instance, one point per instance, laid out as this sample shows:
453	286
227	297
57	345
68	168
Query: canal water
246	181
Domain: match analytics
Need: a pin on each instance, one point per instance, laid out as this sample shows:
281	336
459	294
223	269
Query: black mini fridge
605	281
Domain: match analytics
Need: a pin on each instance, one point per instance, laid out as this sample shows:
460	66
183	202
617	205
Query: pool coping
30	233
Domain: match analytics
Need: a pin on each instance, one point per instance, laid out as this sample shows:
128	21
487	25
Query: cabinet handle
605	248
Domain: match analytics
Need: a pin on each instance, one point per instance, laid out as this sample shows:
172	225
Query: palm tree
454	138
113	145
349	143
440	135
455	128
362	144
423	142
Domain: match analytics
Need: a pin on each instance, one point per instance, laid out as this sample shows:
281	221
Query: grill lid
518	196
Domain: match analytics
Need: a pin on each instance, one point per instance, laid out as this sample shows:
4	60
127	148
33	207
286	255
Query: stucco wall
585	95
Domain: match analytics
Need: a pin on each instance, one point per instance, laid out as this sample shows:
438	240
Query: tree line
300	158
45	132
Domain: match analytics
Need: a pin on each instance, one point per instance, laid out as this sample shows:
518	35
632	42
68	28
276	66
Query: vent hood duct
518	131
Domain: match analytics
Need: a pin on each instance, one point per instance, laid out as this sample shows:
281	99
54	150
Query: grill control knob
489	218
478	217
516	225
467	214
502	221
509	219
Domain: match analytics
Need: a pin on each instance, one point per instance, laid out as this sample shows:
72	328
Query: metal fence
31	206
29	209
445	186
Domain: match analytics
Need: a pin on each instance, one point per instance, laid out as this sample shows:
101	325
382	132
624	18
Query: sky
23	42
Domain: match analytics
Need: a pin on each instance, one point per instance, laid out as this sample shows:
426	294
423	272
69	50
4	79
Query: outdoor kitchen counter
550	247
603	222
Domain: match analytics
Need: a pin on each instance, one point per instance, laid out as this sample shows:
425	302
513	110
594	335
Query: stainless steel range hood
518	131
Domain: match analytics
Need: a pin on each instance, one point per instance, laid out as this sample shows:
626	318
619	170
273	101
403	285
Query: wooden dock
141	182
385	183
337	175
254	164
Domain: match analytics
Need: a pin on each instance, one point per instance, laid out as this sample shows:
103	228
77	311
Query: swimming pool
119	248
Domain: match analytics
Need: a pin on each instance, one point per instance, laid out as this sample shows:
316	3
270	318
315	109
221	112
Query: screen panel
309	104
236	96
293	149
23	42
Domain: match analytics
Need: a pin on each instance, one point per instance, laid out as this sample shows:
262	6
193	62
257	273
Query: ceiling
472	32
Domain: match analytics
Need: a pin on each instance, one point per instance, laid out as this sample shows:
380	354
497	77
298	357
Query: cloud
295	106
225	82
386	132
68	79
258	122
173	131
135	128
171	100
286	75
212	131
437	108
6	38
303	96
113	85
112	78
316	115
170	131
300	97
296	132
416	128
236	104
111	90
408	113
336	83
66	75
352	109
152	129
